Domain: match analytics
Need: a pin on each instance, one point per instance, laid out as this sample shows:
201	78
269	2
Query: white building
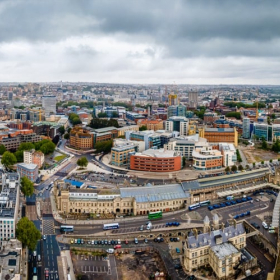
49	104
229	154
180	124
9	205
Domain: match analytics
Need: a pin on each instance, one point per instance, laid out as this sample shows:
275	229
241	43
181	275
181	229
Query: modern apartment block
179	124
150	138
35	157
28	170
9	205
270	132
49	104
193	99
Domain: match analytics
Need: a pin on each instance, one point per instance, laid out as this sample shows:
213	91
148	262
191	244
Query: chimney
234	223
222	227
195	233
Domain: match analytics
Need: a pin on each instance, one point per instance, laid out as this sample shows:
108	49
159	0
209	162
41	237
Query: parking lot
95	267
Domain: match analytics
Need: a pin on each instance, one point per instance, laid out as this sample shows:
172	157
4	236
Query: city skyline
140	42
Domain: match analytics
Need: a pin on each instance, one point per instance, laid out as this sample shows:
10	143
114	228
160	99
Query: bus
194	206
154	215
205	203
66	228
111	226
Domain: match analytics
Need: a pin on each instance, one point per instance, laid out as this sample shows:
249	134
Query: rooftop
224	250
29	166
154	193
159	153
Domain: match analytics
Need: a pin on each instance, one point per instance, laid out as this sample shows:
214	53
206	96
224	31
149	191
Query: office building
179	124
122	130
229	154
28	170
186	145
150	138
9	206
193	99
210	117
207	159
156	161
246	128
176	111
81	139
49	104
120	152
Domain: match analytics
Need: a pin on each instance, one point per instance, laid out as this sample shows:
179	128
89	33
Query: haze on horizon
189	42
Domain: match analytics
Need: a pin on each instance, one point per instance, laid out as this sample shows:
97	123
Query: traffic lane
268	266
240	208
272	237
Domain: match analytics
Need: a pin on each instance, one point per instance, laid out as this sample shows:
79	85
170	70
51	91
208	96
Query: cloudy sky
130	41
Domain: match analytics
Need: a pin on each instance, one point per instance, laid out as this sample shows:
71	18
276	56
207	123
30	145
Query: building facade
151	124
156	161
178	110
49	104
120	154
179	124
139	201
35	157
207	159
220	135
28	170
80	139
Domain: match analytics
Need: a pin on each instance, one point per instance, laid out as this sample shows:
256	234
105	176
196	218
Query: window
223	269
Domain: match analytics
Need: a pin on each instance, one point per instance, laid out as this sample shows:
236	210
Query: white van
264	224
110	251
149	226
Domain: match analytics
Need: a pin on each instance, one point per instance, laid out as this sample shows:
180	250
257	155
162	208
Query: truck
230	197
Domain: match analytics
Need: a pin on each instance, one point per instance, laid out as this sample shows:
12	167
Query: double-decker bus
65	228
205	203
155	215
111	226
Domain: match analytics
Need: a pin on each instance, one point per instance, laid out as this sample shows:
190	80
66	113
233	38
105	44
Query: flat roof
154	193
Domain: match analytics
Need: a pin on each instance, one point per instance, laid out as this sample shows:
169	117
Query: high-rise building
173	99
49	104
246	128
10	95
193	99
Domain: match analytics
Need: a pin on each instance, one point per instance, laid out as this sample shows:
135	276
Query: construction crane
40	113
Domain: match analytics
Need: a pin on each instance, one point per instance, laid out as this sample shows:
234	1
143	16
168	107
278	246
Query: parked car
178	266
146	240
255	225
135	240
178	251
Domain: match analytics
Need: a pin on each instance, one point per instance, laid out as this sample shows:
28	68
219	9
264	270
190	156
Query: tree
234	168
26	146
227	169
47	148
69	129
262	162
83	162
247	166
61	130
236	115
66	136
270	160
19	156
268	120
115	115
27	187
101	123
8	159
240	167
143	127
2	149
104	146
264	144
254	164
76	121
102	115
276	146
273	116
27	233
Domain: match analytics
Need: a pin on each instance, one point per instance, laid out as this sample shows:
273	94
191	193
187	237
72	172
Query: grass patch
59	158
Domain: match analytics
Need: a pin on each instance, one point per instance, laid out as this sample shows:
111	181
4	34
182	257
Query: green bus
155	215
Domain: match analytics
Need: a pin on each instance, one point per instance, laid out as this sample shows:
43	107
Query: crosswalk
48	226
